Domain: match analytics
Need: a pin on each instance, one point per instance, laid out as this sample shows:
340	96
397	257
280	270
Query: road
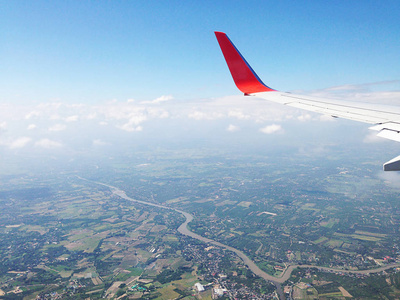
183	229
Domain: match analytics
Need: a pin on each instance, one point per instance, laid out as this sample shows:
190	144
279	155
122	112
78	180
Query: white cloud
32	114
121	111
91	116
304	118
366	93
270	129
232	128
77	105
72	118
19	143
199	115
372	137
3	126
238	114
391	178
58	127
48	144
31	127
164	115
55	117
135	119
161	99
130	127
52	105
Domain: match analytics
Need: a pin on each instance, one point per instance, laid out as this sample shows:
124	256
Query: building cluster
210	259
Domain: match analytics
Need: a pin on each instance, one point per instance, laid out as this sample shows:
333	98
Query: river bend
183	229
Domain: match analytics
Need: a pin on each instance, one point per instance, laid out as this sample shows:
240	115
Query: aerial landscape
113	231
132	168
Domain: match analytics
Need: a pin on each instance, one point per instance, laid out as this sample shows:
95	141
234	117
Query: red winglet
245	78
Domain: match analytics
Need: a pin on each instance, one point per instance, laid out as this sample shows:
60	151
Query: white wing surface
386	119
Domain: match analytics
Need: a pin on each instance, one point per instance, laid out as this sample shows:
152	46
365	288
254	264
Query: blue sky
94	51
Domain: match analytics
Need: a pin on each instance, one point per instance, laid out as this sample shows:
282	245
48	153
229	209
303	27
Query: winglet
243	75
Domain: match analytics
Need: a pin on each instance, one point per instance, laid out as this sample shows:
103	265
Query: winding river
183	229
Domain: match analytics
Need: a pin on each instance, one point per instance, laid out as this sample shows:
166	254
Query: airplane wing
386	119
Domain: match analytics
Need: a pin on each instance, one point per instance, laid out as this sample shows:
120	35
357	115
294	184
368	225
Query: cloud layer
55	125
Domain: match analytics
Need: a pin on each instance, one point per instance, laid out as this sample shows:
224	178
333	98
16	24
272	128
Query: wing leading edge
386	119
